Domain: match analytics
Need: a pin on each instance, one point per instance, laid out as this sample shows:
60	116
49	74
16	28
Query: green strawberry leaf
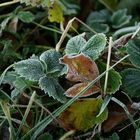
137	134
94	46
50	59
98	16
75	44
114	79
99	27
52	88
120	18
30	69
26	16
131	81
133	48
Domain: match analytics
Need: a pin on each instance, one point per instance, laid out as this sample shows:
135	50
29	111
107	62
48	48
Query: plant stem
9	98
9	3
66	135
108	63
40	105
12	119
47	28
26	113
3	74
89	28
64	34
4	15
126	110
6	111
125	31
135	33
69	25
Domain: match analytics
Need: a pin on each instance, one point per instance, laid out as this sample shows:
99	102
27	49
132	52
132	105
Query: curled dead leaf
81	69
71	92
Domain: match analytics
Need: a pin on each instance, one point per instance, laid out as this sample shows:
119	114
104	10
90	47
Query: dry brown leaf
81	69
71	92
116	115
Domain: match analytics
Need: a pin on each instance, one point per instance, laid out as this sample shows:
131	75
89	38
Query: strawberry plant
69	70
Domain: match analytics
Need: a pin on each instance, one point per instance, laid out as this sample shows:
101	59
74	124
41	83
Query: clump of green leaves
23	33
92	48
131	76
99	21
45	71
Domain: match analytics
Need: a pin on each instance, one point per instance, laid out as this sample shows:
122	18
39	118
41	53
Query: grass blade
125	109
104	104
